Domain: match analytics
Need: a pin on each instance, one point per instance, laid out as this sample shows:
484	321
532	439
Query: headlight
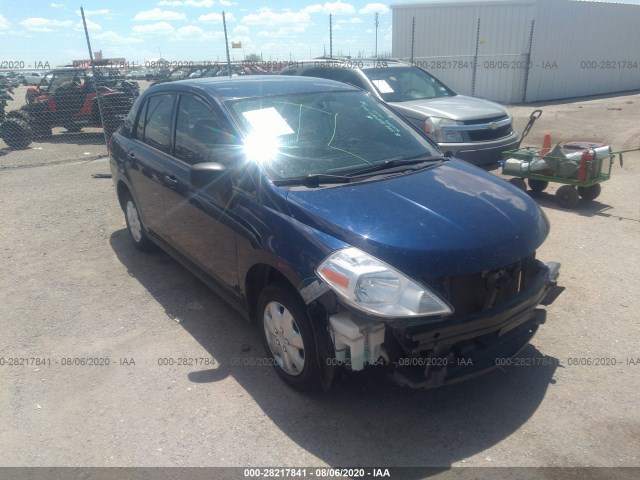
436	128
375	287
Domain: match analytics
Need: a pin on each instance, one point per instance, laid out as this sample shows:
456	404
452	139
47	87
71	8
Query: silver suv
468	128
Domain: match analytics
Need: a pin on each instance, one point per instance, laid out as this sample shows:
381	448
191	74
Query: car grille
487	134
479	291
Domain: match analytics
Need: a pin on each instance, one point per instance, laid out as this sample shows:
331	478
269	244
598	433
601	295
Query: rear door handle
171	180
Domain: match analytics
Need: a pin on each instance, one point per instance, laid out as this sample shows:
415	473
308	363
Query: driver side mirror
209	174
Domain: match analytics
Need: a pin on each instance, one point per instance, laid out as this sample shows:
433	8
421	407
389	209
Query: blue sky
188	30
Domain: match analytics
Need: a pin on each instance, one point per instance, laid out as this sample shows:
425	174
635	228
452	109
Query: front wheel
134	224
288	337
567	196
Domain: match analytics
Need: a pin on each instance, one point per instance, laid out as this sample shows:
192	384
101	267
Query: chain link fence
80	107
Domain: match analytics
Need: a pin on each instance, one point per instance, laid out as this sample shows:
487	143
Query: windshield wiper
397	162
313	180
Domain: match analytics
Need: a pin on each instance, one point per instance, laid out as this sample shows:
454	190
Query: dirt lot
73	287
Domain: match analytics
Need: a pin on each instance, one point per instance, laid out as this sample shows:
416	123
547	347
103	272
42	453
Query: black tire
298	367
590	193
16	133
40	119
135	227
518	182
567	196
537	185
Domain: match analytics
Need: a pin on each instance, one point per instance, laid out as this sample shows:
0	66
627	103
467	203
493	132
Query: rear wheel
537	185
590	193
16	133
134	224
288	337
567	196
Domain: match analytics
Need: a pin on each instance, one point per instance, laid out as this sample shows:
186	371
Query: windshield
323	133
404	84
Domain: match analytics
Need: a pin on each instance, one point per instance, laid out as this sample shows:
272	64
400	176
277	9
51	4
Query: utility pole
376	17
330	37
226	42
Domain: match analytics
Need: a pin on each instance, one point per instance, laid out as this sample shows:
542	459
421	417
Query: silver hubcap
135	227
283	337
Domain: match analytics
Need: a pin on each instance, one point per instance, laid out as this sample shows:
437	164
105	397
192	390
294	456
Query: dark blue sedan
336	226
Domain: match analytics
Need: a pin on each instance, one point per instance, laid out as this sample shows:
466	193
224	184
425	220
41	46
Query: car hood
458	107
447	220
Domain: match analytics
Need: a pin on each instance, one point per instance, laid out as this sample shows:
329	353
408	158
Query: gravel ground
73	287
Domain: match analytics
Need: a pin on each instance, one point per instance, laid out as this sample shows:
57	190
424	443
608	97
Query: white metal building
516	51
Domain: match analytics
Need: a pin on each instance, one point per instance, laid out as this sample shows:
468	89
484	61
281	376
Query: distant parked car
31	78
468	128
10	79
337	226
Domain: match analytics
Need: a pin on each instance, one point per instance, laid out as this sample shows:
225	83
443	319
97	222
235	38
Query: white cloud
351	20
102	11
4	23
115	38
336	8
187	3
374	8
156	14
91	26
39	24
240	30
160	28
194	33
57	5
266	16
282	32
191	33
227	3
216	17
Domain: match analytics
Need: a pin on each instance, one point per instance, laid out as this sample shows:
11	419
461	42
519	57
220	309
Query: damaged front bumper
430	354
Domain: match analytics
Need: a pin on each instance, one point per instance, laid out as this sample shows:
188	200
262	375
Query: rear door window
156	128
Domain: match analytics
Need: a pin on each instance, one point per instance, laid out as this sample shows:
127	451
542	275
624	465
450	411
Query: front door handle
170	180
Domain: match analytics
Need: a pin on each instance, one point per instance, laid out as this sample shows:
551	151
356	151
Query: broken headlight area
496	315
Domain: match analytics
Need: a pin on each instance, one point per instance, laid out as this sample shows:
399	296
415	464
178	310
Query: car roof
255	86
